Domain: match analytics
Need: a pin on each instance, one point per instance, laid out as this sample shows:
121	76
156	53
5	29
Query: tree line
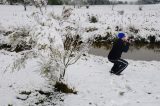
79	2
148	1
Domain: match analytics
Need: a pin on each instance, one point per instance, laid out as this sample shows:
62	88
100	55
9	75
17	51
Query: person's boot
112	72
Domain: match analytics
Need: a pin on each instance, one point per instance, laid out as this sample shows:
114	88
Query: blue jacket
119	46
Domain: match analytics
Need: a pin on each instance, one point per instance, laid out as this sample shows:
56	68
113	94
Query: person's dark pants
119	66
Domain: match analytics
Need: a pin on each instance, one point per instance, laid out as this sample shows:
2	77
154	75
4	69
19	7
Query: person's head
122	36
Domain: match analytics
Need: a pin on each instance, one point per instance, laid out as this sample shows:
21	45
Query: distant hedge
55	2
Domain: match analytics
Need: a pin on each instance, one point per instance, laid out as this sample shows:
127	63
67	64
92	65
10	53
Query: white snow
98	88
146	20
138	86
11	83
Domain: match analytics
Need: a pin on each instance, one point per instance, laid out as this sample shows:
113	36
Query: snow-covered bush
54	16
118	28
56	44
19	39
66	12
140	8
152	39
140	40
25	3
91	29
121	12
133	29
74	46
61	87
49	55
93	19
87	6
40	4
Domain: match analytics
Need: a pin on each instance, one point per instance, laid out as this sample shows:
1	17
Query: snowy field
128	18
138	86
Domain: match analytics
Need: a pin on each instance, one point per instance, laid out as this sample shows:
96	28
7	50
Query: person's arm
126	47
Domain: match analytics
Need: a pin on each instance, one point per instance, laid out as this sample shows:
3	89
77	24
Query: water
145	53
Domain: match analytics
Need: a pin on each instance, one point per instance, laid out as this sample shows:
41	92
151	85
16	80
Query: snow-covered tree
3	1
113	4
25	3
39	4
55	42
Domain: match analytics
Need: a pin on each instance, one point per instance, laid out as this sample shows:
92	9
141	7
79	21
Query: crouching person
121	45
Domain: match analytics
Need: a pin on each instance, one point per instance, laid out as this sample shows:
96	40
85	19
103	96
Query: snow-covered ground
138	86
126	17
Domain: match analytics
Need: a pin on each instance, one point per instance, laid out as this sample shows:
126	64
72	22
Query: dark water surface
146	53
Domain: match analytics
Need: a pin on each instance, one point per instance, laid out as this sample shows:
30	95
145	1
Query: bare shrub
18	39
64	88
121	12
140	8
93	19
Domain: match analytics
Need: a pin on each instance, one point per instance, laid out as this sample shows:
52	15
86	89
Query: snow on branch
56	44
